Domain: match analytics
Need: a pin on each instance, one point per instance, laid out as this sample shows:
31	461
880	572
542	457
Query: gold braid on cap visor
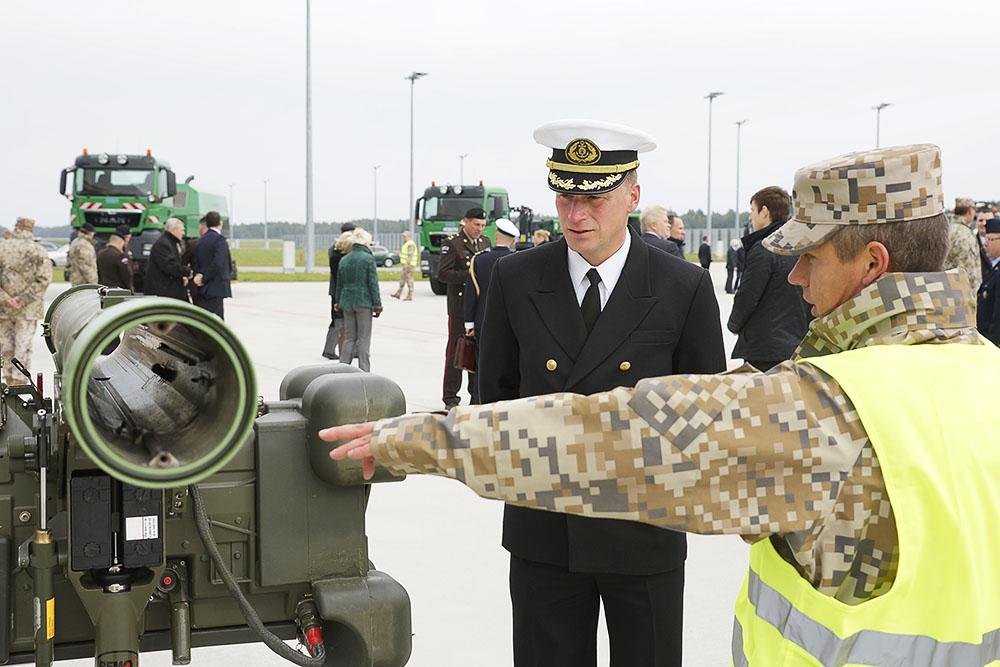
592	169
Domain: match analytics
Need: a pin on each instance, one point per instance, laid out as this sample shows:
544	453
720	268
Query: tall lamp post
375	200
412	79
461	168
878	120
232	218
310	230
265	215
708	212
739	125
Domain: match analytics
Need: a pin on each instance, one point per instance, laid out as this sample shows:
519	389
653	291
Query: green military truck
439	213
140	191
440	210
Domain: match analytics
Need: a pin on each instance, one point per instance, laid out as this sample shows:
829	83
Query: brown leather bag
465	354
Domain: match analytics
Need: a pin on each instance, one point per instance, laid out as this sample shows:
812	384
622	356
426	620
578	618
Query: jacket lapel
628	304
555	301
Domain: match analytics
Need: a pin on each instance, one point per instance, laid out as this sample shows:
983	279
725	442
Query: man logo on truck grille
582	151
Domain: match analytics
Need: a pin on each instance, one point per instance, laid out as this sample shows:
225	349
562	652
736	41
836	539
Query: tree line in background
693	219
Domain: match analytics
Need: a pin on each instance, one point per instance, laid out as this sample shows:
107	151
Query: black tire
438	287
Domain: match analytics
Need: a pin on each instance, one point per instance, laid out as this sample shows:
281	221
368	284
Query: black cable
271	640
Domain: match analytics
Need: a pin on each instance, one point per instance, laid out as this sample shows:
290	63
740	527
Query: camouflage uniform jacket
780	454
25	272
82	260
963	252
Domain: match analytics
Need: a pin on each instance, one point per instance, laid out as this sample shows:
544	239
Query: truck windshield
123	182
449	208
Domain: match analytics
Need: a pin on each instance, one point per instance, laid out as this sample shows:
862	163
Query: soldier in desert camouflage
25	273
862	470
82	258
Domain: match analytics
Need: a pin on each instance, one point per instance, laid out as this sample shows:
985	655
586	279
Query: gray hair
652	215
173	223
360	236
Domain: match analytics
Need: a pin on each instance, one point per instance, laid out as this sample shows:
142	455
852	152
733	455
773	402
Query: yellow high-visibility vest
408	254
933	417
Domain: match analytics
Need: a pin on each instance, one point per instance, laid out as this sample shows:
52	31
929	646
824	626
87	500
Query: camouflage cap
864	188
965	201
26	224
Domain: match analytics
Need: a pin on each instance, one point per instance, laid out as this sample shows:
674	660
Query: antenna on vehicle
188	180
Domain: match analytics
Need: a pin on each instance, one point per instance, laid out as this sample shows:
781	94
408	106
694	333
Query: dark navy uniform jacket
988	306
478	282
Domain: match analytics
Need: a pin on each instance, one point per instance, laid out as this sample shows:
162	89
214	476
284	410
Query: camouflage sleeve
742	453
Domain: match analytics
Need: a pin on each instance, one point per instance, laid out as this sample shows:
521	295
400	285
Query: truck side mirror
62	181
171	184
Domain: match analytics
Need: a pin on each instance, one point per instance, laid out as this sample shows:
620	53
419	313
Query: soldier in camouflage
82	258
963	249
787	455
25	273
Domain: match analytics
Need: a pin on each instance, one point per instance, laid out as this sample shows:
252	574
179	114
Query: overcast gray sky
217	88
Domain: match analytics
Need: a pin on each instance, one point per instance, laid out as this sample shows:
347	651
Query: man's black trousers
556	612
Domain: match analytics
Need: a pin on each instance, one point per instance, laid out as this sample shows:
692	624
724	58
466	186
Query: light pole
310	230
412	78
265	214
232	218
708	212
461	168
739	124
878	119
375	199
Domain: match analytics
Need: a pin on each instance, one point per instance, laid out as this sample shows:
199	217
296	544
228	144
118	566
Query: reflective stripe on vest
931	417
868	647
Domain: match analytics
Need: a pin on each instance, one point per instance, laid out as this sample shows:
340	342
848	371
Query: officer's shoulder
664	265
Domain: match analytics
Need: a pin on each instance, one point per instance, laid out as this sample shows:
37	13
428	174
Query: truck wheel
387	263
438	287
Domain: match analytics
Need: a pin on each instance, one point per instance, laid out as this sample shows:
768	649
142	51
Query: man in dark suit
211	265
595	310
705	253
453	269
655	223
477	284
167	275
988	307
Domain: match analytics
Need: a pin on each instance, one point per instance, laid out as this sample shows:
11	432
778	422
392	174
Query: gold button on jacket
551	364
625	365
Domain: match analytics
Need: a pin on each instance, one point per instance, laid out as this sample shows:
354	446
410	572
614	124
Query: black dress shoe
331	356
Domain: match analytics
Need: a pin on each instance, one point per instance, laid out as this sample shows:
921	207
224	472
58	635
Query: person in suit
655	223
677	232
478	283
705	253
211	265
732	263
595	310
167	275
988	304
456	253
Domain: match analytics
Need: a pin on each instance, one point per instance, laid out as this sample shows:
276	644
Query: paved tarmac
435	536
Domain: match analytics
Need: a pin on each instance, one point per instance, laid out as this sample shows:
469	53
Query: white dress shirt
610	271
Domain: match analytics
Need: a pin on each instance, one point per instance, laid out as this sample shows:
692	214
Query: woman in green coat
358	298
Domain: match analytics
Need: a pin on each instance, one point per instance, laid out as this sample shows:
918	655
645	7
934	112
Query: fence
391	240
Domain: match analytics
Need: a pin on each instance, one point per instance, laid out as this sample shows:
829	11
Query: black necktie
591	304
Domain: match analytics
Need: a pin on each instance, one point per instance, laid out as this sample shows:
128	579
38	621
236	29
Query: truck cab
110	190
439	212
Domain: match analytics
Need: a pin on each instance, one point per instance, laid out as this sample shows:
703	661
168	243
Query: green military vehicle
439	212
135	190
